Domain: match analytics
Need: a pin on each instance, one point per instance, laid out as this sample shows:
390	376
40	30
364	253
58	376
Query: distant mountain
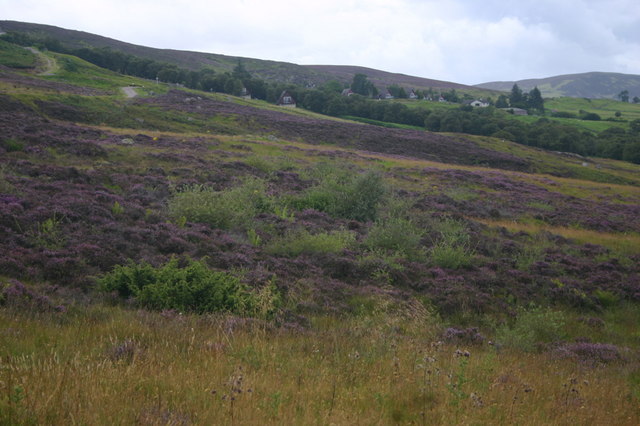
306	75
586	85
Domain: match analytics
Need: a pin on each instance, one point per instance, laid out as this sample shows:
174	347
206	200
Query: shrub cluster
345	194
231	208
187	288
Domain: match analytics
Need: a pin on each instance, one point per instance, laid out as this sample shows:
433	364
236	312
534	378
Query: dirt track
130	92
47	65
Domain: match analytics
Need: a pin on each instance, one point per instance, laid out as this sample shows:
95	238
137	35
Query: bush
563	114
590	116
12	145
302	242
190	288
235	207
452	250
446	255
344	194
395	234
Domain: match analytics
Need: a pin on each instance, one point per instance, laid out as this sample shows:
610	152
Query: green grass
606	108
14	56
75	71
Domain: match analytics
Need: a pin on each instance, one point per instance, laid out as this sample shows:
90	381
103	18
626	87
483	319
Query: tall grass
113	366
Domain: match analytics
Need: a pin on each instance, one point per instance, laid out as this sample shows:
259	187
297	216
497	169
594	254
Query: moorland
193	257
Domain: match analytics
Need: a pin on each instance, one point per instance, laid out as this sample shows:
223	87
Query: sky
463	41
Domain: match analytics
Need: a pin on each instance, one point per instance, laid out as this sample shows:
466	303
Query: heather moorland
190	257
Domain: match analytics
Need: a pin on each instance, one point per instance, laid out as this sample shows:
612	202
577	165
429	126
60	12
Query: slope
585	85
311	75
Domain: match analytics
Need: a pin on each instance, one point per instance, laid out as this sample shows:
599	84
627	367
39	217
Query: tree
515	99
624	96
362	86
502	102
240	72
636	100
397	91
535	100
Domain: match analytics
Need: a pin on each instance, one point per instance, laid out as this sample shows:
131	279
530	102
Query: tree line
327	99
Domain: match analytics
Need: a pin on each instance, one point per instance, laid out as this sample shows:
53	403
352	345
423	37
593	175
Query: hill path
48	65
130	92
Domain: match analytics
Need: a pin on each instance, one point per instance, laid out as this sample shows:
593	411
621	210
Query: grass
111	366
16	57
380	361
622	244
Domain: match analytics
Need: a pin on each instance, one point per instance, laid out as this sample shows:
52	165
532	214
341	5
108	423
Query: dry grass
622	244
112	366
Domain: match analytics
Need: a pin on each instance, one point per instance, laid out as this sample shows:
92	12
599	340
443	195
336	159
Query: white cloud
462	40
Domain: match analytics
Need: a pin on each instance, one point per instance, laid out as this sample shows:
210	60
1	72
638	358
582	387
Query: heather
197	258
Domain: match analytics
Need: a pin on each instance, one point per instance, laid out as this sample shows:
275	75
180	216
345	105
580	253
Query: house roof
282	100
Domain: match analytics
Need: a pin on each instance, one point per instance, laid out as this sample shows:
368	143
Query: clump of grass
231	208
344	194
48	233
453	249
532	327
300	242
12	145
396	235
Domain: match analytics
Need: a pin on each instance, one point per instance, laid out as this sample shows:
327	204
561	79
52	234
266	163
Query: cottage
412	94
384	94
286	100
478	104
347	92
245	94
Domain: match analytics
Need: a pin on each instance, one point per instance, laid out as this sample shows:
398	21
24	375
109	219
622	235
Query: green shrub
452	249
449	256
190	288
302	242
234	207
12	145
344	194
395	234
606	298
531	327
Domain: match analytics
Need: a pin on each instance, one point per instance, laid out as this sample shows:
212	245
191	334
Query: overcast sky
464	41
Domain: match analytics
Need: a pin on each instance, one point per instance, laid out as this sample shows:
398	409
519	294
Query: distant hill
305	75
585	85
384	79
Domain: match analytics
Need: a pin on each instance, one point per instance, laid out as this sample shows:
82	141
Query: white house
286	100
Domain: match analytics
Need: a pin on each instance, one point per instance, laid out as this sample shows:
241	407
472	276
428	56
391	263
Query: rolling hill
585	85
189	257
304	75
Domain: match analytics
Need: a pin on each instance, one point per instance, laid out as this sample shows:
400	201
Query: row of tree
612	143
531	101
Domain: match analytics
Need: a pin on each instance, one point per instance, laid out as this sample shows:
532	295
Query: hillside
586	85
384	79
309	75
188	257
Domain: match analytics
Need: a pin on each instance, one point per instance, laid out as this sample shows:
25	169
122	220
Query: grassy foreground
107	365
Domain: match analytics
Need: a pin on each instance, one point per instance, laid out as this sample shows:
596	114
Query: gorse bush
344	194
232	208
189	288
